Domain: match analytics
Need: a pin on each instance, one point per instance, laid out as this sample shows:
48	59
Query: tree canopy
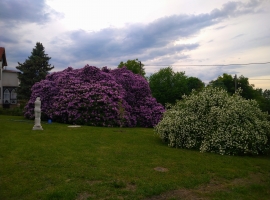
194	83
133	65
228	83
34	69
168	86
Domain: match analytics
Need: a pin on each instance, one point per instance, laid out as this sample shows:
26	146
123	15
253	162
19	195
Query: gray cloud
173	49
15	11
234	9
237	36
212	71
28	41
147	41
220	27
263	40
152	43
5	39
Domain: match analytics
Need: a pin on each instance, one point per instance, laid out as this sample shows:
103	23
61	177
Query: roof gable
3	56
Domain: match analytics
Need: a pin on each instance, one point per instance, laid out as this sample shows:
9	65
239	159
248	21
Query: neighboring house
9	83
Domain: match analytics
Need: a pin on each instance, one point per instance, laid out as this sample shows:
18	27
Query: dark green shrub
16	111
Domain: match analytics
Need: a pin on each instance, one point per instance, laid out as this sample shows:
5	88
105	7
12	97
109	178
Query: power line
216	64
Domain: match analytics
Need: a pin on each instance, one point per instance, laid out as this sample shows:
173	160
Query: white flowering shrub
213	121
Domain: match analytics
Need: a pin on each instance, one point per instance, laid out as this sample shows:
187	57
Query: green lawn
112	163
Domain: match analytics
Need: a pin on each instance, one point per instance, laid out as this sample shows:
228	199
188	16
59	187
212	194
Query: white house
9	82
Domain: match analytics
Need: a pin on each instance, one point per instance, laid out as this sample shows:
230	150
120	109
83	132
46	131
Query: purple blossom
91	96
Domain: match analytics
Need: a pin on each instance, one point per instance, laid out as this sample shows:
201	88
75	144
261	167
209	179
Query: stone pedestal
37	125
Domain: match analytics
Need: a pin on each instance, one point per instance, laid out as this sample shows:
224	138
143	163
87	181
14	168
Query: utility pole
235	83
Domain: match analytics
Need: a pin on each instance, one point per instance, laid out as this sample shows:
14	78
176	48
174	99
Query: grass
15	111
112	163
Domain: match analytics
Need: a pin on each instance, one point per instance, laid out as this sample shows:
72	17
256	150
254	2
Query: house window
6	96
13	96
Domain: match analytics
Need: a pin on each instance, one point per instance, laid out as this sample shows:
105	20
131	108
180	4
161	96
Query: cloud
112	45
153	43
27	11
7	39
263	40
234	9
237	36
212	71
28	41
147	41
220	27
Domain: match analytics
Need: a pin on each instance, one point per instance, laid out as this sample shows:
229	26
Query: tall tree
227	82
168	86
266	94
133	65
194	83
34	69
264	101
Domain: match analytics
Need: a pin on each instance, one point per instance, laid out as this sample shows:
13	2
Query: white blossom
213	121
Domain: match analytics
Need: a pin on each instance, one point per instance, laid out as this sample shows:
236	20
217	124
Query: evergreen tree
34	69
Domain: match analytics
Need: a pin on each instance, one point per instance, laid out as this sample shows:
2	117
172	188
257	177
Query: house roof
3	56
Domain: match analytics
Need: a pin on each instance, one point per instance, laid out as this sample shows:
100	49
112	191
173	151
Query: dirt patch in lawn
119	131
83	196
131	187
93	182
201	192
161	169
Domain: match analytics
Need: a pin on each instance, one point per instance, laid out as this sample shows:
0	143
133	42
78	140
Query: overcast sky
176	33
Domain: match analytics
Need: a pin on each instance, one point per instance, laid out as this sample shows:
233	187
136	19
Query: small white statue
37	125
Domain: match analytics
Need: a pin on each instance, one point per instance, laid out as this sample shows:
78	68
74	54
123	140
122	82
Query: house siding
10	84
1	88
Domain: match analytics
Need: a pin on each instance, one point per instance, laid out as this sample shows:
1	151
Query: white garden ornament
37	110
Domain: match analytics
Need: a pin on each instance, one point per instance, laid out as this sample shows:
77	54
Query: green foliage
227	82
266	94
213	121
34	69
133	65
168	86
194	83
16	111
264	100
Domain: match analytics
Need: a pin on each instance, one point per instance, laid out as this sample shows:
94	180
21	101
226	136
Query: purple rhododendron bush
91	96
